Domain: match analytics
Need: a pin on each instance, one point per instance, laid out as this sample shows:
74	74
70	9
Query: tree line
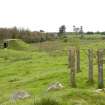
79	30
39	36
25	34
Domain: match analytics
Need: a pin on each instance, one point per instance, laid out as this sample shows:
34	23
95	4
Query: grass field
47	62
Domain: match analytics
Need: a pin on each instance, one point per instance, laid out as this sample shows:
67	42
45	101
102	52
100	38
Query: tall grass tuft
47	101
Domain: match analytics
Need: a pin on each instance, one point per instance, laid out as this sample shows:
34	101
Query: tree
42	31
62	29
81	31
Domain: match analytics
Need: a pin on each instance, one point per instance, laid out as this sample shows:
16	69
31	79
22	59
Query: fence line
74	65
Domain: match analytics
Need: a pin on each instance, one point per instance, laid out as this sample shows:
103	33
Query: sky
49	15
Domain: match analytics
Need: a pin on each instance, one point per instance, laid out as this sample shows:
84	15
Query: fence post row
74	63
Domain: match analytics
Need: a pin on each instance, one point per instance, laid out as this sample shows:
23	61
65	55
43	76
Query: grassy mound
17	44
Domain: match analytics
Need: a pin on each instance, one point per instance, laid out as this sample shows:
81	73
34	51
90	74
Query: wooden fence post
90	70
72	70
100	69
78	60
69	58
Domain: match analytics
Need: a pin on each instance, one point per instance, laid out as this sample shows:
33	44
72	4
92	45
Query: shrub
65	40
90	33
102	33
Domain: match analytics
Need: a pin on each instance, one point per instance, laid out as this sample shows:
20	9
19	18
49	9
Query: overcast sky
50	14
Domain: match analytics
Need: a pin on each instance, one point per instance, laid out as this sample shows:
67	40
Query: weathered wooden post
69	58
100	68
90	70
78	60
72	66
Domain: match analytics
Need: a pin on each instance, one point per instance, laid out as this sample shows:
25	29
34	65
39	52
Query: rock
99	90
20	95
55	86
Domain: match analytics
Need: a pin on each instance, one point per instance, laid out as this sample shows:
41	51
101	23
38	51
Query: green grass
33	70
